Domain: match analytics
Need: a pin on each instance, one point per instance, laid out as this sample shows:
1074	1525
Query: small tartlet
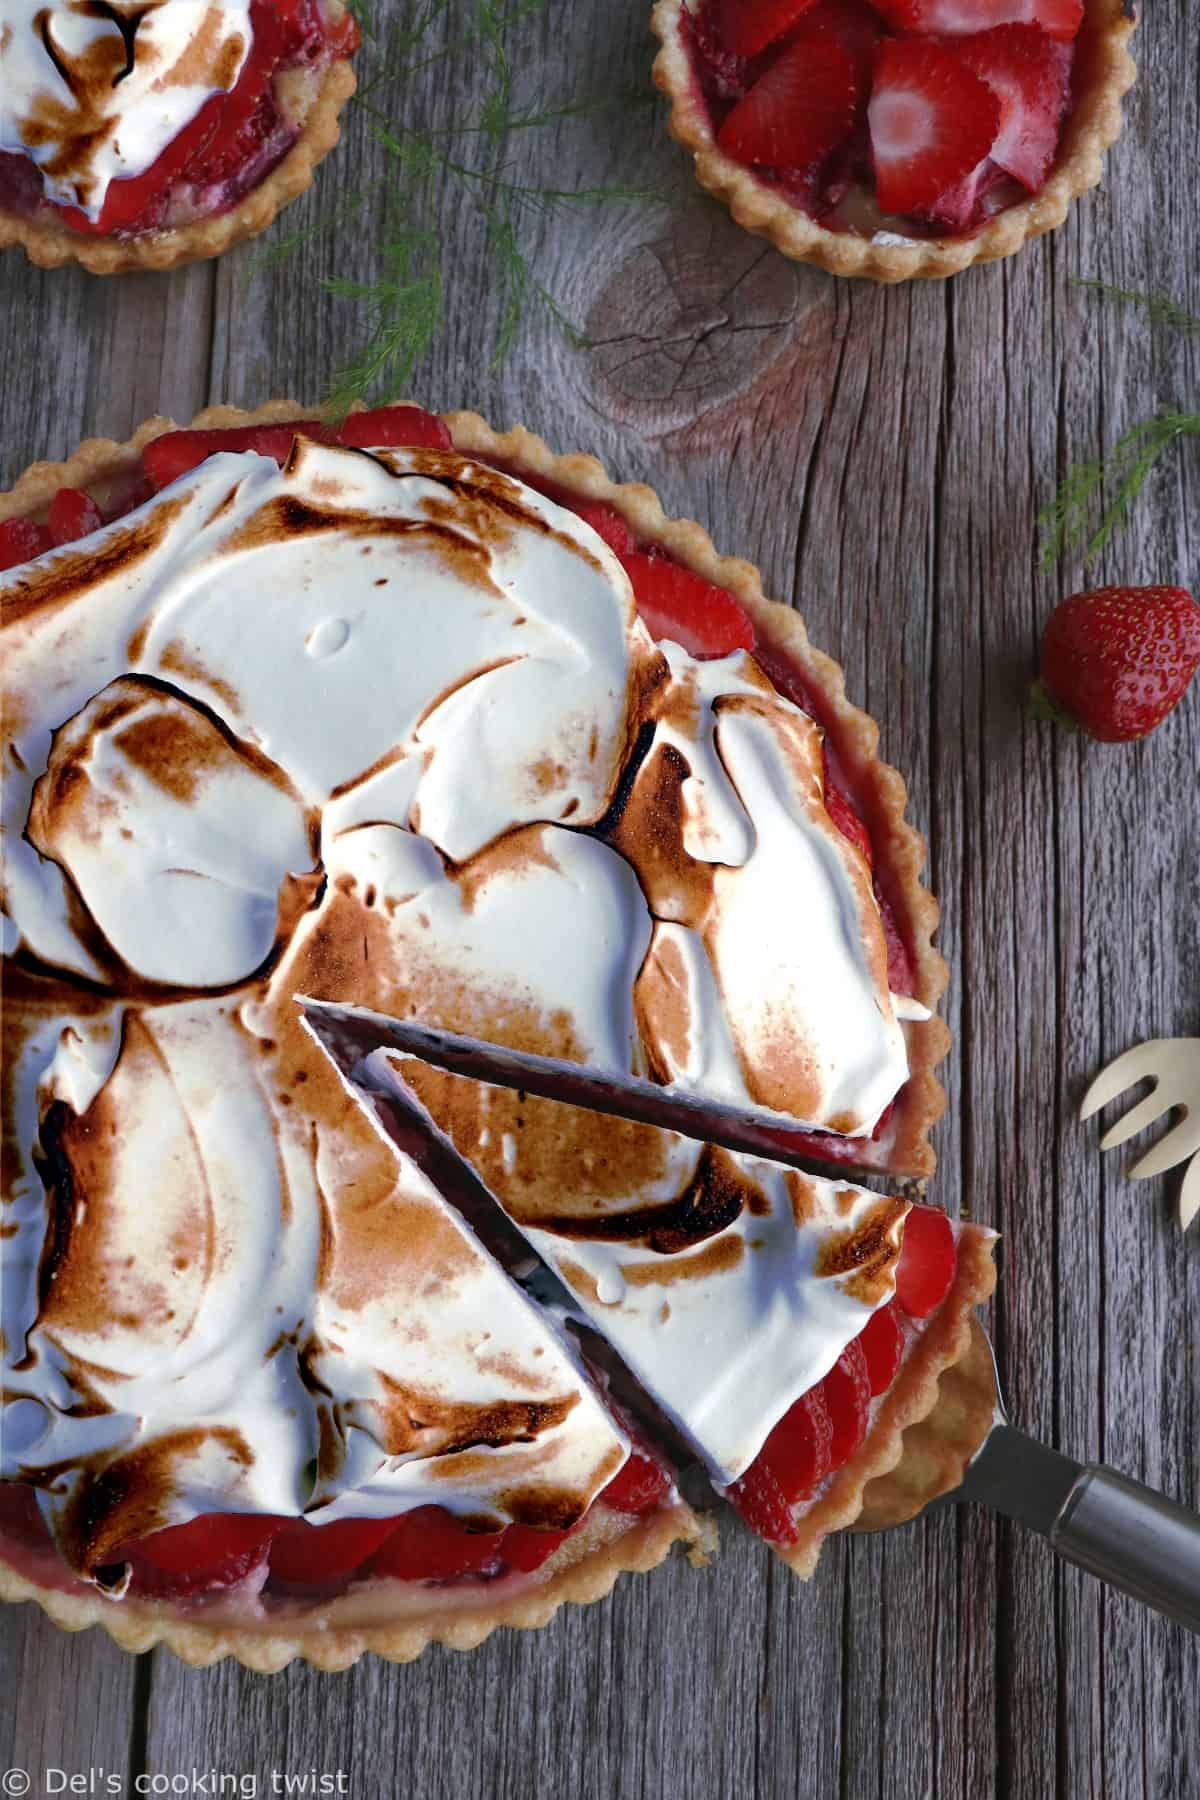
933	1417
1105	72
314	105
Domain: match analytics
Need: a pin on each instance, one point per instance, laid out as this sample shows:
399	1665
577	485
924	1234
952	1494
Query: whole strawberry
1116	660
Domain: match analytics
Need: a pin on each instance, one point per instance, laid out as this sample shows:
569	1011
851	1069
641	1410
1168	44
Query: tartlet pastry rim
1093	126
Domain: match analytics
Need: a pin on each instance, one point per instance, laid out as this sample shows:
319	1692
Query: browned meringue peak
144	806
414	617
767	976
496	949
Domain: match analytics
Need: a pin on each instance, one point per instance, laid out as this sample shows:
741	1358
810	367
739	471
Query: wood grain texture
880	453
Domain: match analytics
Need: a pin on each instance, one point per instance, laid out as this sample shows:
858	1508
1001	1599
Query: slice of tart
375	713
895	138
787	1327
150	136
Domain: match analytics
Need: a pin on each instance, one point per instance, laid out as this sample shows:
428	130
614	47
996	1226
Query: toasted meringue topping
95	94
386	728
145	802
240	1305
727	1298
767	974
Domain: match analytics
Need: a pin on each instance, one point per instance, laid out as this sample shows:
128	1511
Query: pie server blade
354	1032
1117	1529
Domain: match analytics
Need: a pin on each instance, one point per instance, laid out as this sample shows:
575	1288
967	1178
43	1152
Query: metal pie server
1117	1529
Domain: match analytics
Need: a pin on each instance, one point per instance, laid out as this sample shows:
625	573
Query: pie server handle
1128	1535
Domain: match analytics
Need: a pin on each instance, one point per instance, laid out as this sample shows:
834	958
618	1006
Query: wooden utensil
1173	1065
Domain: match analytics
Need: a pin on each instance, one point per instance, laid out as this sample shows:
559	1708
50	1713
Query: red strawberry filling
218	1551
21	540
227	149
748	26
918	116
1029	73
73	515
825	1427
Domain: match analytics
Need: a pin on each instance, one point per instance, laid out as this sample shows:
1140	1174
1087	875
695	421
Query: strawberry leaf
1043	705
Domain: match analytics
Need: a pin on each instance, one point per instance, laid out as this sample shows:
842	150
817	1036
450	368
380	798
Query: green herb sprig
432	172
1123	473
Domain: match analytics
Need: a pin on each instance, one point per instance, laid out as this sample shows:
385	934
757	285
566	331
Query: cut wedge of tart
379	713
780	1323
895	138
151	136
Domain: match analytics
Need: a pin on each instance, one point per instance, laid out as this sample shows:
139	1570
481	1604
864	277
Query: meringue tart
412	714
149	137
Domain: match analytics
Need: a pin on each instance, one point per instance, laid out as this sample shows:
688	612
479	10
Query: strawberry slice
395	427
311	1554
764	1504
430	1544
931	121
176	452
640	1484
527	1547
748	26
1029	73
675	603
608	524
847	1391
1060	18
73	515
803	105
847	821
792	1463
927	1262
212	1551
852	24
959	207
882	1344
20	541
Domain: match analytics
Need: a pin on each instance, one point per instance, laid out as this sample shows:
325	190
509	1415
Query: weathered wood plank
70	1703
84	357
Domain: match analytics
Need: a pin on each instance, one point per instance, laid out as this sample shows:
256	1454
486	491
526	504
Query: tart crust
1106	72
49	244
938	1447
582	1573
932	1419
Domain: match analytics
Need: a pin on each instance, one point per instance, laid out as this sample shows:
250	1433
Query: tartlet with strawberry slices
151	136
182	1464
895	138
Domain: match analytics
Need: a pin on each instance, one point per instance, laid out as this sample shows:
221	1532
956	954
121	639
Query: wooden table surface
880	453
